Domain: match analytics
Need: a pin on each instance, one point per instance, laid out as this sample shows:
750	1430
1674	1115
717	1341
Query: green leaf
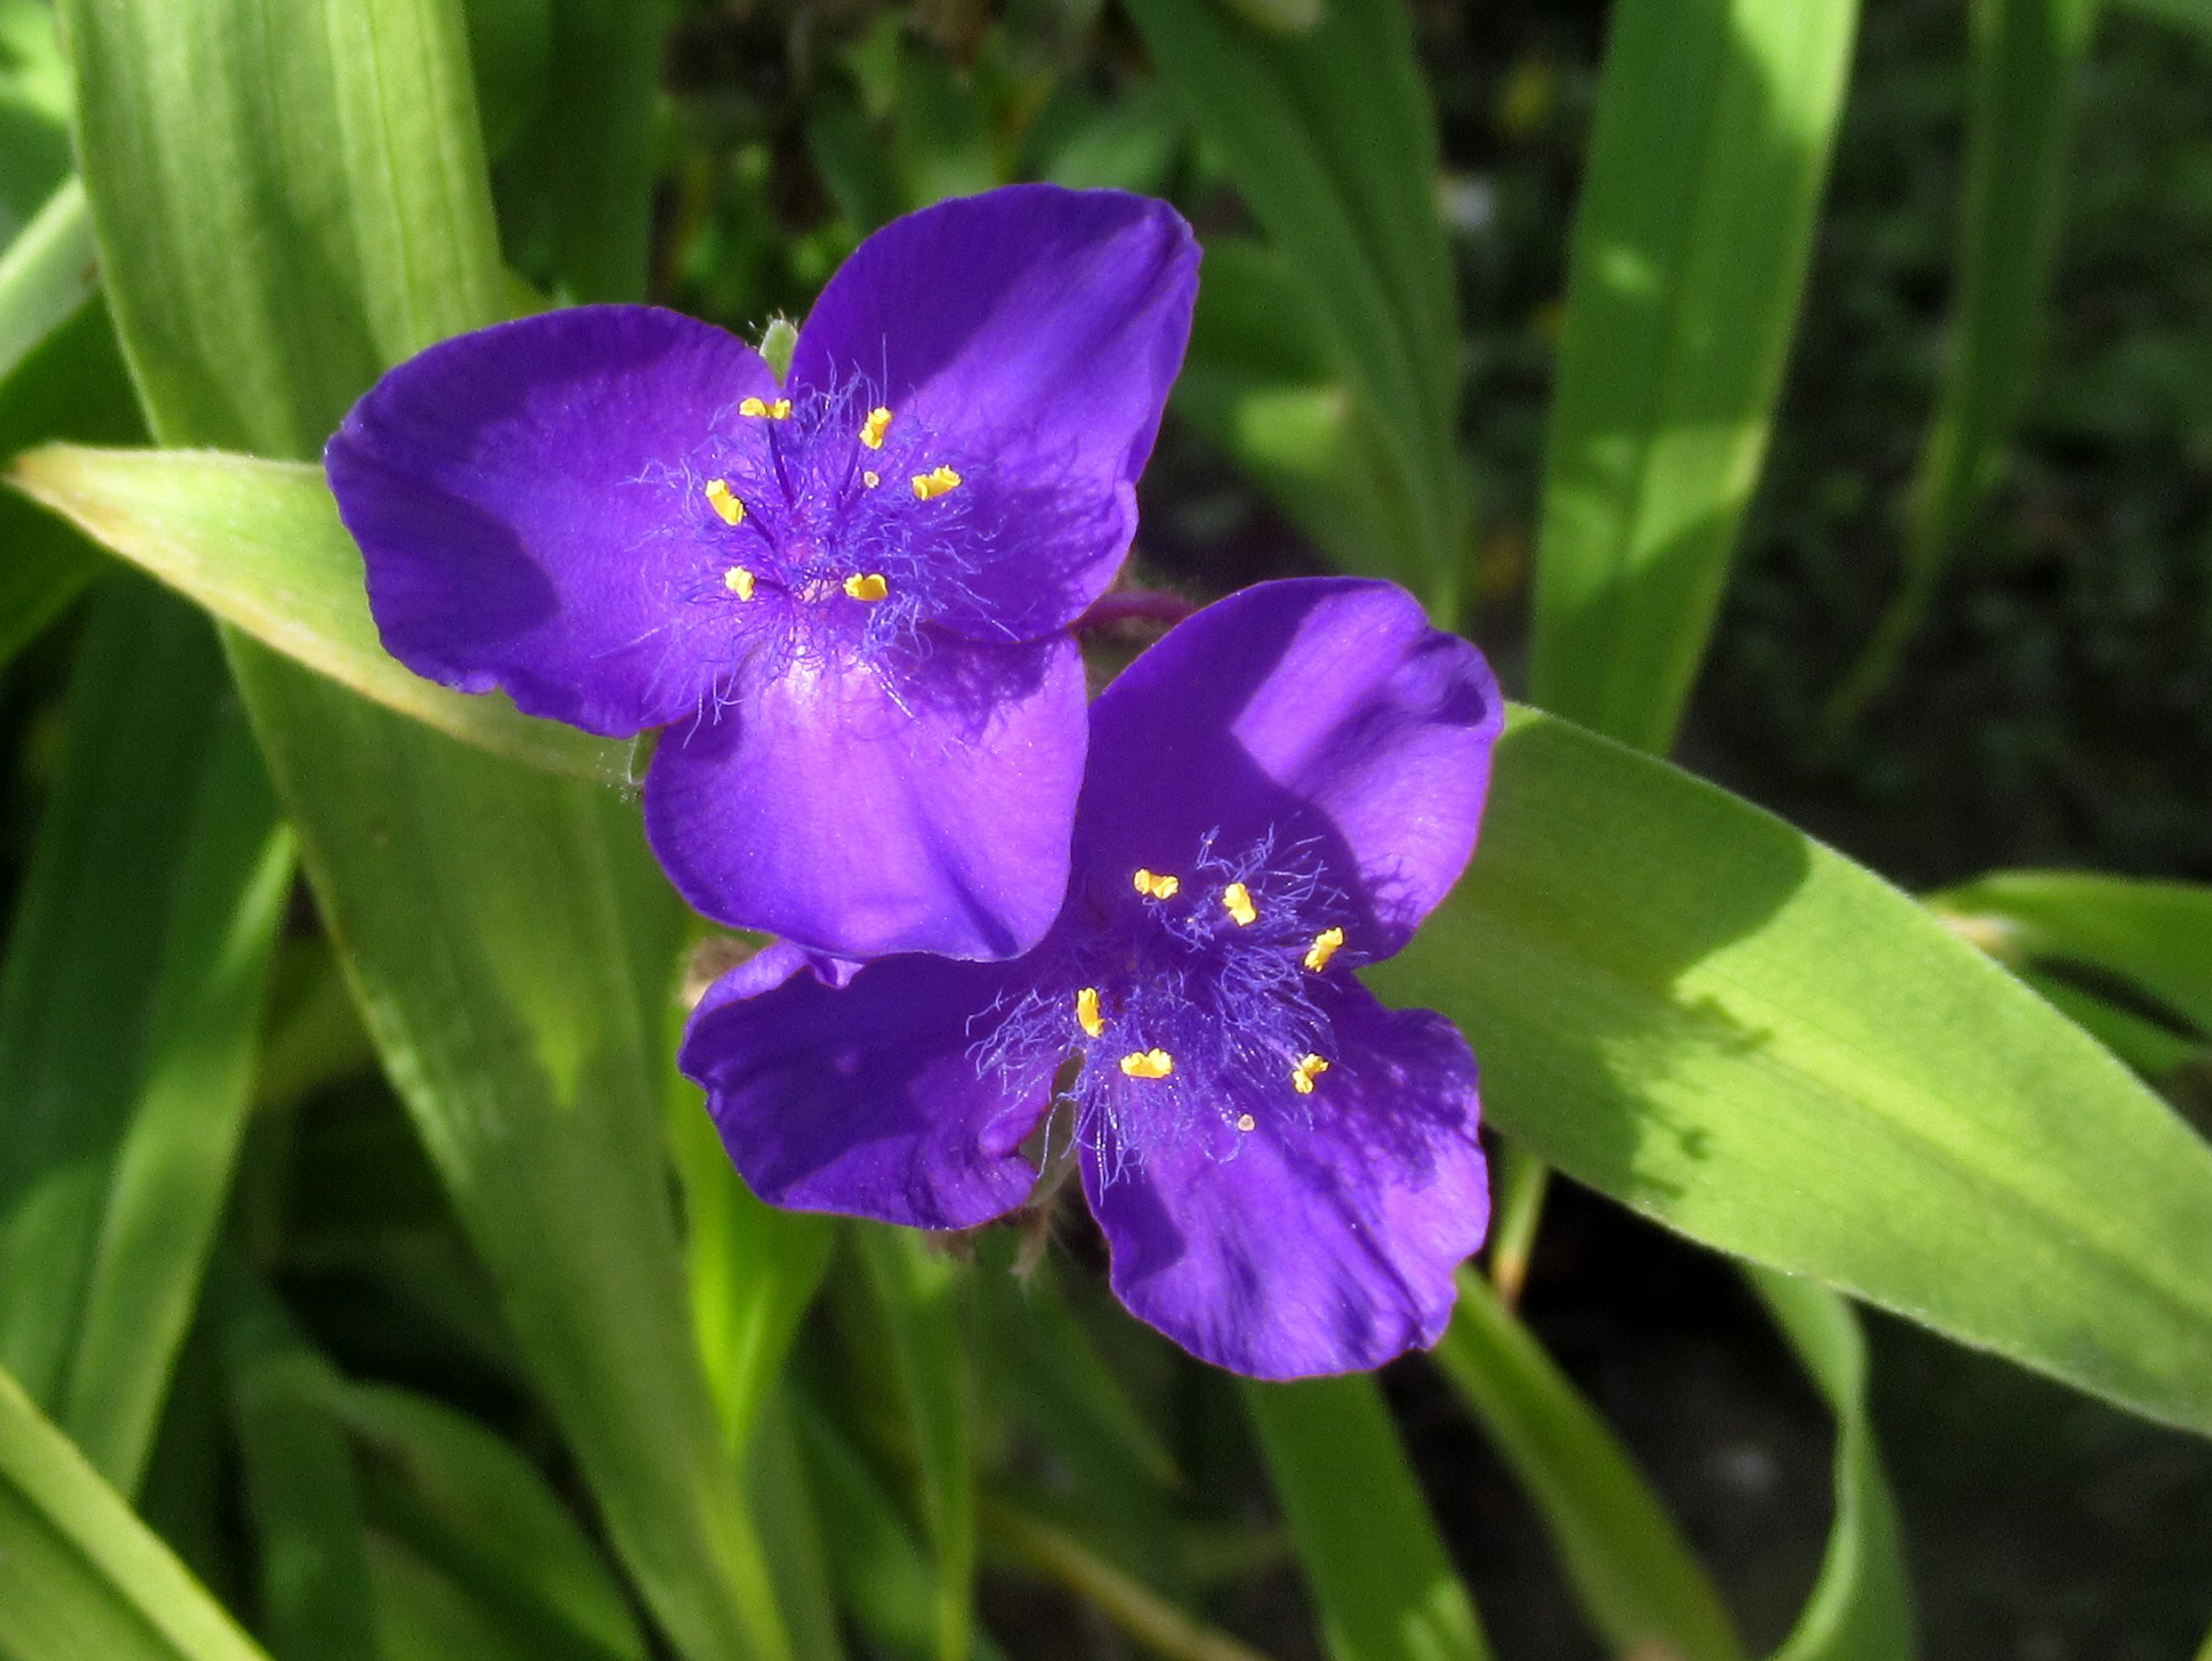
1635	1574
128	1015
575	190
481	1514
35	112
1861	1608
258	543
1693	1007
507	934
1715	123
47	272
2181	14
1381	1581
2156	936
1258	383
2027	57
80	1576
916	1289
511	50
61	376
1328	134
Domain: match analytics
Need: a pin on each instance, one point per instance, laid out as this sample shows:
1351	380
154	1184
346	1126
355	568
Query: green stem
1522	1182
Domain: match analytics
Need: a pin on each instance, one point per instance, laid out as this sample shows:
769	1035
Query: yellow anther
870	477
1148	1063
1086	1012
739	581
1156	887
937	482
870	587
1309	1068
1246	1122
720	498
775	409
1236	900
873	430
1323	948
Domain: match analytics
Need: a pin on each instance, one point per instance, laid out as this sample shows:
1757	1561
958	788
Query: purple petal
1032	332
866	1101
1326	1241
1320	708
859	819
522	498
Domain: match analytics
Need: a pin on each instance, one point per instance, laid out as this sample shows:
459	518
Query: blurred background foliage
1948	655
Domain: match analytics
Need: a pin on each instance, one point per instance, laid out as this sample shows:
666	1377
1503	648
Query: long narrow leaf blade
258	543
80	1576
1637	1578
1695	1008
1716	120
1384	1588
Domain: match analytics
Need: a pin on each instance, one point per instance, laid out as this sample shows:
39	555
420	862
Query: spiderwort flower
1288	1172
847	597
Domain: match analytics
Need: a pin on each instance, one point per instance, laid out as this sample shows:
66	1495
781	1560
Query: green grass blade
2156	936
34	113
80	1576
575	190
118	1113
916	1289
1637	1577
302	1493
1382	1584
2027	57
1328	134
1696	1009
258	543
172	1166
1861	1608
2194	14
61	376
1715	123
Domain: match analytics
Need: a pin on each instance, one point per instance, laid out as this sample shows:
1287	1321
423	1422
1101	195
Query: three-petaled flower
1288	1172
847	598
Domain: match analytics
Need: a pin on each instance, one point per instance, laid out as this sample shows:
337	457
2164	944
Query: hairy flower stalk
1286	1171
846	596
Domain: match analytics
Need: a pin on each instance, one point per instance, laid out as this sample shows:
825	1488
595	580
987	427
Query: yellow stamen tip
869	587
1156	887
1148	1064
1246	1122
870	477
739	581
873	430
1237	899
937	482
1086	1012
779	410
1309	1068
1323	948
719	497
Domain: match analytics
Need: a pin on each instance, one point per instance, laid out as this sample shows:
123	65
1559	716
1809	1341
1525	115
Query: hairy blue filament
1231	1004
810	522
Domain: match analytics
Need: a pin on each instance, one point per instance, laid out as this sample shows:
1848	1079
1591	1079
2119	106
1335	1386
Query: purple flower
847	598
1288	1172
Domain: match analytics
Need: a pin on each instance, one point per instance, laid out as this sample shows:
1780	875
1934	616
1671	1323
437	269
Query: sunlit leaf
1690	1006
1383	1587
258	543
1715	123
80	1576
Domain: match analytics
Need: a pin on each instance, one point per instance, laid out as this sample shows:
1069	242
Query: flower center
834	526
1186	997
